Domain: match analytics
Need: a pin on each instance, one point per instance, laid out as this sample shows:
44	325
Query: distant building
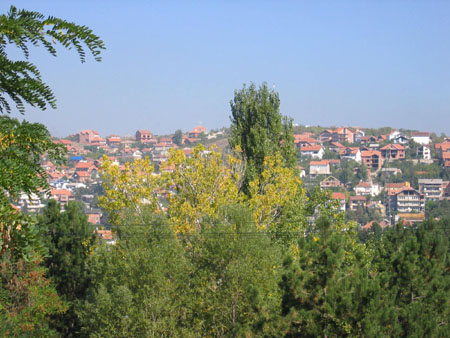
330	182
197	131
424	152
420	137
88	137
338	135
432	189
367	189
393	152
409	200
354	202
340	196
143	136
314	151
319	168
351	153
373	159
94	216
113	140
62	196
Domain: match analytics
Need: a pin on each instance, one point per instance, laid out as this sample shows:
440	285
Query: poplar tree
259	130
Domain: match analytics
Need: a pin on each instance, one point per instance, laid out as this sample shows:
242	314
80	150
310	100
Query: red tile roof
358	198
338	196
324	162
369	153
84	165
55	192
419	134
310	148
393	147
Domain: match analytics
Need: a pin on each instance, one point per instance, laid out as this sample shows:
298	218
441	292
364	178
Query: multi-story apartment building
372	159
409	201
431	189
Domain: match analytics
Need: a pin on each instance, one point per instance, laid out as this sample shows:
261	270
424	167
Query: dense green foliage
28	299
178	137
350	172
277	263
22	145
438	209
153	283
413	172
69	239
259	129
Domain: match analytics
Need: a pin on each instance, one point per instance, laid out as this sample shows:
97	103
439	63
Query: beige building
431	189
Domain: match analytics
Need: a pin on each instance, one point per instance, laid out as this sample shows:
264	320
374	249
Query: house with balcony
393	152
432	189
350	153
409	201
373	159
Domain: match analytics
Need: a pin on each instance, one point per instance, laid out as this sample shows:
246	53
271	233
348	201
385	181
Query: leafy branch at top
21	80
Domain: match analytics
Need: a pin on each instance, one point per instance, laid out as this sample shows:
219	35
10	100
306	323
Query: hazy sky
175	64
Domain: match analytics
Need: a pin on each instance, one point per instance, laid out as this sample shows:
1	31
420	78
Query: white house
367	188
351	153
319	168
424	152
313	151
421	137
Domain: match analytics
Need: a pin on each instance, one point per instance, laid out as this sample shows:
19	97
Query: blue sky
175	64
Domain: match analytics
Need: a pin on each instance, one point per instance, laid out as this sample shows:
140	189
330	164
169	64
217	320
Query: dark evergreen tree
178	137
413	270
70	240
325	293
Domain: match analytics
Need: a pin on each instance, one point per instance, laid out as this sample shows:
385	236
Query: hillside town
375	177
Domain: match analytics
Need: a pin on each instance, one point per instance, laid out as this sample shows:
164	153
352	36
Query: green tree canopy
259	129
70	239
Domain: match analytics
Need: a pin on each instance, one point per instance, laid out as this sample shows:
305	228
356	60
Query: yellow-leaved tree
274	194
130	187
200	186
